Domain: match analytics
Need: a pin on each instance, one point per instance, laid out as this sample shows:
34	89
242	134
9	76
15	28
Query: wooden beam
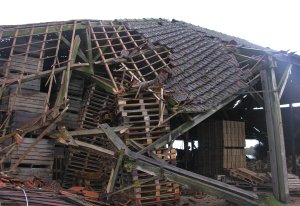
194	181
275	132
94	147
30	77
138	147
256	96
283	80
66	76
102	56
292	135
115	172
40	28
1	32
189	179
104	83
90	52
174	134
87	132
114	138
80	52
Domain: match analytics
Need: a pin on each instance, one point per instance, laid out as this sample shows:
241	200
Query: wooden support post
1	32
115	172
186	150
275	132
292	136
66	76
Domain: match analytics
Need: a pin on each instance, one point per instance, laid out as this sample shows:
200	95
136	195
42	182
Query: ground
206	200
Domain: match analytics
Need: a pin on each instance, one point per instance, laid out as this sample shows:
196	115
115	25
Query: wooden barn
96	107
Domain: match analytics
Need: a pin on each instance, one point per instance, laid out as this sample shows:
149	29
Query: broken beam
87	132
115	172
184	177
94	147
39	75
194	181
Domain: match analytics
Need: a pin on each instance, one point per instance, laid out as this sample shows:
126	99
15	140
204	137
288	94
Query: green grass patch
269	201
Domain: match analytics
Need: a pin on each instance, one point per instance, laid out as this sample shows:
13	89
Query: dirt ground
206	200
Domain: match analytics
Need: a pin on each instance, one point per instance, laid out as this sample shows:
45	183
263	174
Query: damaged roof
194	64
204	73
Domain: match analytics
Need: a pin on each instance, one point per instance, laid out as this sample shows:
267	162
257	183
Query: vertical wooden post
186	149
292	136
275	132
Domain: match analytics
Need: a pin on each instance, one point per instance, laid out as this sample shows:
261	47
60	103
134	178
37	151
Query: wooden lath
8	31
150	62
114	41
103	58
25	63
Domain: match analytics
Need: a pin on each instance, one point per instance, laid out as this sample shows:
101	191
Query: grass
269	201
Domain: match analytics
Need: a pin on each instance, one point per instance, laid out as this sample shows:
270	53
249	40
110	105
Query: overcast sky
269	23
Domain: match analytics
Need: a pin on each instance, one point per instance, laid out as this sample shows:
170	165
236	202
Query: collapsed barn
98	104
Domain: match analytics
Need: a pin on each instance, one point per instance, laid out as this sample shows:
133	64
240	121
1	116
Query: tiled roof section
228	38
204	73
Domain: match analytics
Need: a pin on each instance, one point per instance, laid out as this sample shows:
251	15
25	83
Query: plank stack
38	162
24	101
143	112
85	167
75	93
221	146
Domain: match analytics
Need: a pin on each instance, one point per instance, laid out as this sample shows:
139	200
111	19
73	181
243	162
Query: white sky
269	23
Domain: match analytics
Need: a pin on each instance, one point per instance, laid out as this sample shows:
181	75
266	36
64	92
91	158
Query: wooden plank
283	81
45	131
115	172
29	173
94	147
120	129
